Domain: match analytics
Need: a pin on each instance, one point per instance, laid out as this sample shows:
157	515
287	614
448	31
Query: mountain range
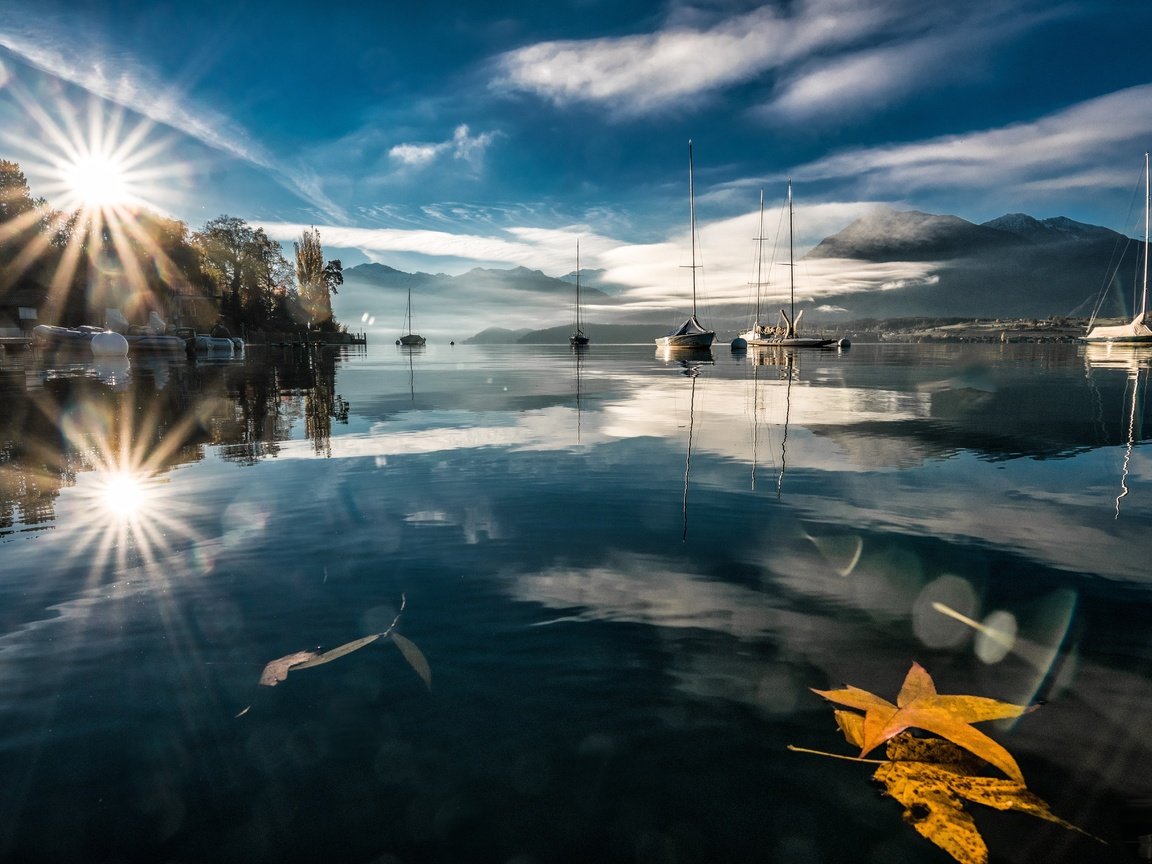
1015	266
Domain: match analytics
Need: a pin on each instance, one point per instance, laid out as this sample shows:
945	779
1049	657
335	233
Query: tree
248	267
15	196
225	243
26	225
317	280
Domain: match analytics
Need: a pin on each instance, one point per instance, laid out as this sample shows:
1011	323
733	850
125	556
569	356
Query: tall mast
692	216
759	255
1144	297
791	264
577	284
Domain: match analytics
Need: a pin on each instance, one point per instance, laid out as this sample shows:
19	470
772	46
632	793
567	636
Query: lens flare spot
937	628
996	637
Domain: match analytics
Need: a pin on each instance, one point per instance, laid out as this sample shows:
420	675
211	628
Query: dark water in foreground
625	572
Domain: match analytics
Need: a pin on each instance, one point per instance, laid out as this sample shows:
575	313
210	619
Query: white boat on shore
53	336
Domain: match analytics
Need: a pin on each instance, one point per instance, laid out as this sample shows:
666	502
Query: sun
97	180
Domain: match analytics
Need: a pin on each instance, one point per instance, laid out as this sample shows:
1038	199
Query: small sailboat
758	330
409	338
579	338
786	334
690	334
1137	331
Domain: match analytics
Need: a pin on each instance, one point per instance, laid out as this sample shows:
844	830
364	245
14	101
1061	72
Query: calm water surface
625	572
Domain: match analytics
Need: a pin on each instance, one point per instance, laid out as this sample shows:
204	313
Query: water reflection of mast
410	350
1132	359
1134	377
788	372
755	418
693	371
578	353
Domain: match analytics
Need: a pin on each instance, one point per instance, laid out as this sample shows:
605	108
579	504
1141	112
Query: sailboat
786	335
1137	330
758	331
579	338
409	338
690	334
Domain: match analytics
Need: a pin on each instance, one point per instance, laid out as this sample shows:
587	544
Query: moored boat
1137	331
690	334
410	339
578	339
53	336
786	334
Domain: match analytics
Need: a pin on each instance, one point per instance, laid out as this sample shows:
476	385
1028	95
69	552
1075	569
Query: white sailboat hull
687	340
1136	332
792	342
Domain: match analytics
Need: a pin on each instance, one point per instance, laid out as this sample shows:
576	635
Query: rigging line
1122	243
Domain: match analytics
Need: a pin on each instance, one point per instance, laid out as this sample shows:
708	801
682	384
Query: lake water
624	570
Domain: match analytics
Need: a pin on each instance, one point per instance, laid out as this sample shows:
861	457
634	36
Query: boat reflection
1132	360
692	370
684	355
579	354
411	350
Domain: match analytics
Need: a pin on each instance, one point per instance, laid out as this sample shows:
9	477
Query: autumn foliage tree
317	281
80	263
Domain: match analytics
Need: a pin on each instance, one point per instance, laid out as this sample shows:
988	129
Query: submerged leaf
415	658
277	670
339	651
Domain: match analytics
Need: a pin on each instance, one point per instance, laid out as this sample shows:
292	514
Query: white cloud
1070	149
416	155
462	147
642	72
824	50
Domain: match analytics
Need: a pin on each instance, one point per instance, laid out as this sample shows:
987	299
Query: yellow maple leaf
932	778
934	809
919	706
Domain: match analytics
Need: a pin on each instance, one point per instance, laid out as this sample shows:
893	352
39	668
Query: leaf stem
796	749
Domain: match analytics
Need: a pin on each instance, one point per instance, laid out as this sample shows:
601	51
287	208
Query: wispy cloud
820	55
550	250
919	48
135	87
1071	149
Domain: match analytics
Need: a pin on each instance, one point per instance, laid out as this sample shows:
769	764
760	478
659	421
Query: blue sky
442	136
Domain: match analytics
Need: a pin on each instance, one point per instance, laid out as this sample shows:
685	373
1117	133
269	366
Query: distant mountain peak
1056	229
884	234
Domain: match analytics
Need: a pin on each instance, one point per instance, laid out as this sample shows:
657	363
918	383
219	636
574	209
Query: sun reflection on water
123	495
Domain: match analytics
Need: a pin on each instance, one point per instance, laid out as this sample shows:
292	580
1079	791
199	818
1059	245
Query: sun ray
102	171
